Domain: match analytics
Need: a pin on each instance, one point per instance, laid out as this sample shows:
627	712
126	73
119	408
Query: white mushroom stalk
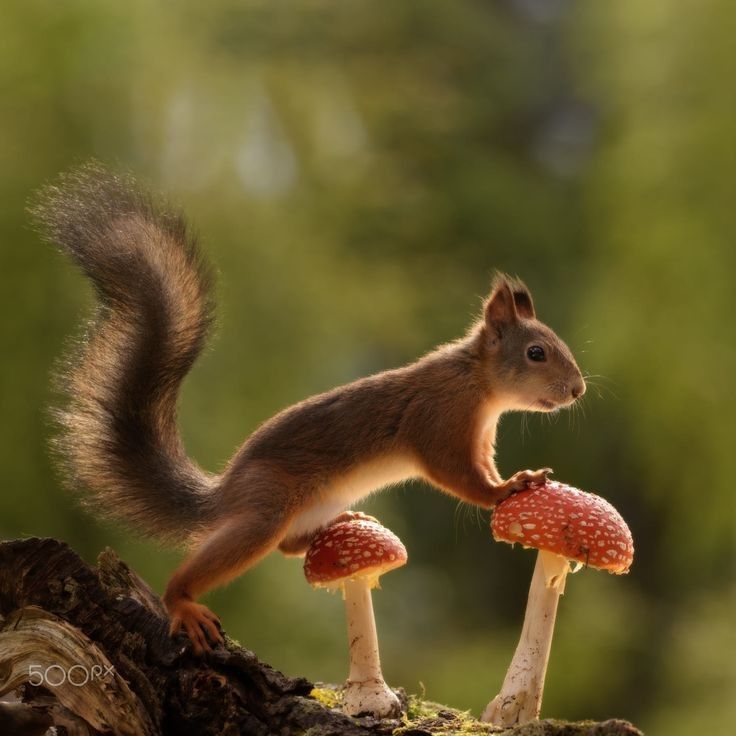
365	690
351	555
567	526
520	698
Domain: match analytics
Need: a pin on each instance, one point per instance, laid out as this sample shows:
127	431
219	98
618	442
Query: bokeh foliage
357	171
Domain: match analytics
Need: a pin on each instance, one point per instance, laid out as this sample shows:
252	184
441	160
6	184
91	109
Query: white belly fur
344	491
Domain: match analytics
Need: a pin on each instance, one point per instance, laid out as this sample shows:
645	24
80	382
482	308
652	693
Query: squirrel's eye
535	353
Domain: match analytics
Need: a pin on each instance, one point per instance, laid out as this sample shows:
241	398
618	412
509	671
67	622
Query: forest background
357	170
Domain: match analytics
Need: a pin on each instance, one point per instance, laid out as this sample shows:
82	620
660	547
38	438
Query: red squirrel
434	419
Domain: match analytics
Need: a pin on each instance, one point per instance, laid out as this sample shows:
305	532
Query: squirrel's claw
198	622
539	477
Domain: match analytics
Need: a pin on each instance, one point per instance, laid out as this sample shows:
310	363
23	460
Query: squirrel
434	419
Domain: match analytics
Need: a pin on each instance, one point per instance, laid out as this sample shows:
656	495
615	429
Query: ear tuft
522	299
500	310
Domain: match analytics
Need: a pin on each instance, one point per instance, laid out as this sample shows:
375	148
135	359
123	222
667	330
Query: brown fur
434	419
119	437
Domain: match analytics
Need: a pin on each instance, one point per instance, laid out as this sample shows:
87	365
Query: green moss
329	697
438	719
435	719
417	708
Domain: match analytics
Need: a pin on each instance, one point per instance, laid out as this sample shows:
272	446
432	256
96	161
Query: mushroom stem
520	699
365	690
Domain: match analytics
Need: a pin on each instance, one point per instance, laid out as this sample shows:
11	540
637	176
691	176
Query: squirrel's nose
578	389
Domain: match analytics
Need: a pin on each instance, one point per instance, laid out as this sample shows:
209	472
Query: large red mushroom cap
352	549
557	518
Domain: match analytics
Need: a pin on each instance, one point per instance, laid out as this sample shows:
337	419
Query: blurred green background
357	169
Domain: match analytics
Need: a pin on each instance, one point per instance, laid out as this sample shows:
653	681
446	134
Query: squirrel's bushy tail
119	440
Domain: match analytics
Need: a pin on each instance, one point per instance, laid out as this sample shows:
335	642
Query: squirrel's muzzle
578	388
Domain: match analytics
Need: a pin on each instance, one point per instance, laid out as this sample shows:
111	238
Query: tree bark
87	649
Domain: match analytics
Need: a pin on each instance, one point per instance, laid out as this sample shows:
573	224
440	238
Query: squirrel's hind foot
199	623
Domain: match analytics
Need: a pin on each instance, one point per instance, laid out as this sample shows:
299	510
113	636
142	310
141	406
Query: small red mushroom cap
352	549
561	519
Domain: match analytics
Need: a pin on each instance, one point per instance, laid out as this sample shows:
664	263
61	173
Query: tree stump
87	649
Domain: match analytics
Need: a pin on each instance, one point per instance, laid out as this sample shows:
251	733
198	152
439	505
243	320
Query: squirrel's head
531	367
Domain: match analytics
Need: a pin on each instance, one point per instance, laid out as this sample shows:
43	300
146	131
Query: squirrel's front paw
354	516
525	478
538	477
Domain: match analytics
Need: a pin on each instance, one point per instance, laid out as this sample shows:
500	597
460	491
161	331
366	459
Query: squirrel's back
119	440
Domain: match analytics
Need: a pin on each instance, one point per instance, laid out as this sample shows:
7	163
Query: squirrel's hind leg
298	546
231	548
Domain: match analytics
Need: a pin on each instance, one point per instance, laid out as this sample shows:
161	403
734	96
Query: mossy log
86	649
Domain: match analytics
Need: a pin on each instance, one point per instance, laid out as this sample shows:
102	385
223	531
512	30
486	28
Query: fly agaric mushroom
352	555
566	525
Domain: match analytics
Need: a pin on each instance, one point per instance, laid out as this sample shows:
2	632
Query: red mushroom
352	555
566	525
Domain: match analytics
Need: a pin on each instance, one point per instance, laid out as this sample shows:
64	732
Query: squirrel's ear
500	310
522	300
